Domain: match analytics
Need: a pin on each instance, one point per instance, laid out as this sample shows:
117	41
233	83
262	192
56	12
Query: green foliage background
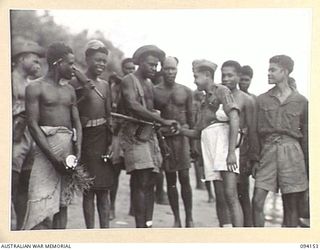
29	25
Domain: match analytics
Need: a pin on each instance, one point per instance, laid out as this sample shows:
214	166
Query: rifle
165	150
132	119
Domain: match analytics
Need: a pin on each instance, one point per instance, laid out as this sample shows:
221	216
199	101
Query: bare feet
189	223
210	200
131	211
177	223
112	215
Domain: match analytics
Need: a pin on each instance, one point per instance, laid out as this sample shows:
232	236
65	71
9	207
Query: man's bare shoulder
184	87
127	80
34	88
103	83
37	83
159	86
245	96
70	88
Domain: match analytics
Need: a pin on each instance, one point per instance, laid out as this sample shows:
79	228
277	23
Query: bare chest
56	96
175	97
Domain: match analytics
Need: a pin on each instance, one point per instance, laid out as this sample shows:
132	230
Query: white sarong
214	146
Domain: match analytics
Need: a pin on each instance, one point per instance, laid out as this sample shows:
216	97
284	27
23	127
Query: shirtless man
55	126
175	102
26	60
218	128
95	119
246	75
127	66
139	142
231	73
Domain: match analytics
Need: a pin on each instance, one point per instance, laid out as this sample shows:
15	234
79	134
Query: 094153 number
309	246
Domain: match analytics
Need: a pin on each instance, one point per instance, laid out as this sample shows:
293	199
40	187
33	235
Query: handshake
170	128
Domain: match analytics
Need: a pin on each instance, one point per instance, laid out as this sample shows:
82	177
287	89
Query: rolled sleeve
227	100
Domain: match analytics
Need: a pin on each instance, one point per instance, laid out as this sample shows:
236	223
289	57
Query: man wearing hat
25	60
139	142
54	124
95	114
231	73
175	102
283	134
218	127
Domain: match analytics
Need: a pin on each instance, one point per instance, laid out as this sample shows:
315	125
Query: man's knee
230	195
184	177
258	203
144	179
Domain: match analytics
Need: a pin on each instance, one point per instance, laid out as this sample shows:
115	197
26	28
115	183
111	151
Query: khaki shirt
287	118
217	95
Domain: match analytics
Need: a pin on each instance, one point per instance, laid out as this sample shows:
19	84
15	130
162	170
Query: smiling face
97	63
230	77
276	73
245	82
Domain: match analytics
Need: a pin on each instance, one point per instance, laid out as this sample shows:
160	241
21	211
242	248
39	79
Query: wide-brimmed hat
152	49
26	47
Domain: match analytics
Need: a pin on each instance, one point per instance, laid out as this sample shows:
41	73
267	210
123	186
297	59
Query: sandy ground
204	213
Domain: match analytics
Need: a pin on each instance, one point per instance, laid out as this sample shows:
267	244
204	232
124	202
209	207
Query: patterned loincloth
46	185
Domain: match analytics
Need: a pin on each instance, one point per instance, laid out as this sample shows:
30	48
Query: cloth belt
278	139
96	122
218	121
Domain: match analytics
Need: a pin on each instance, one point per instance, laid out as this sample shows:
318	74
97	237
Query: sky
249	36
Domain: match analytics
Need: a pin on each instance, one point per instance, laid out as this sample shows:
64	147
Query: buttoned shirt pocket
291	116
267	115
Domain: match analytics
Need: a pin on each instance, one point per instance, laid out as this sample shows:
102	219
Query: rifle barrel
132	119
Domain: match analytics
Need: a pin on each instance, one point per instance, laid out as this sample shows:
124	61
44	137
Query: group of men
143	122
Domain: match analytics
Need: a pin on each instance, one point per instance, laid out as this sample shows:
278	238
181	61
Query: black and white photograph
160	118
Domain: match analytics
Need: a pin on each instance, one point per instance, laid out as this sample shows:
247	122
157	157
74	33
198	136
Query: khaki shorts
137	154
282	166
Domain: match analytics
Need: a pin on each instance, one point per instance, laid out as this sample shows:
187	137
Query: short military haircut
283	61
90	52
233	64
57	51
247	70
126	60
203	69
